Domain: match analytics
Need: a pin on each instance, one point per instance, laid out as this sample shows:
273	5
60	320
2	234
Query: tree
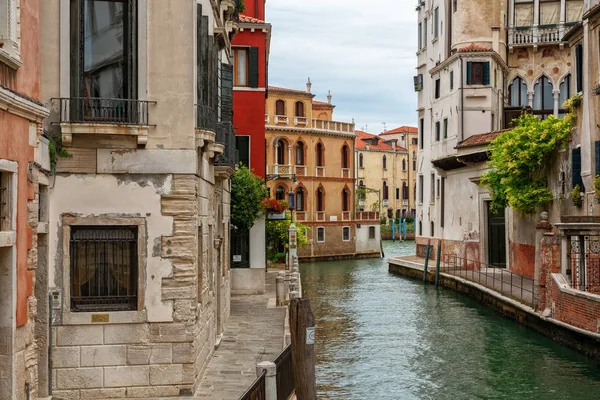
247	194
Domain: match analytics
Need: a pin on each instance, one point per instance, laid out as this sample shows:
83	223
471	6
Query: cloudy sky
363	51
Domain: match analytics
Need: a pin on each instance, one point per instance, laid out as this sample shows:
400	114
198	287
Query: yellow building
381	175
312	155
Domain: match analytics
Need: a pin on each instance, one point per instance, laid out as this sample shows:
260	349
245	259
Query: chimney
308	85
329	97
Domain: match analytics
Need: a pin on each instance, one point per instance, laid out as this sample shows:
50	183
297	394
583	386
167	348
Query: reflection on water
380	336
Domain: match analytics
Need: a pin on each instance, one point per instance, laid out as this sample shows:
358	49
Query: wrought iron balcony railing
206	118
226	137
92	110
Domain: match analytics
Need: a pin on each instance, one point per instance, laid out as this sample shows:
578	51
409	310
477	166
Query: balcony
300	170
333	126
346	216
314	124
537	35
301	216
206	126
300	121
104	116
367	215
227	160
282	169
321	216
320	172
267	119
345	172
281	120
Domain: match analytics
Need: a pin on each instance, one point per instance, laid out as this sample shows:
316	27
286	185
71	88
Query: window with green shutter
576	168
253	67
227	93
478	73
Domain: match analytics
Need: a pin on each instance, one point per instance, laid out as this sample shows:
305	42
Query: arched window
279	107
565	94
543	101
299	199
280	193
385	190
403	165
320	158
346	200
384	162
281	152
518	93
299	109
360	161
320	199
300	153
345	154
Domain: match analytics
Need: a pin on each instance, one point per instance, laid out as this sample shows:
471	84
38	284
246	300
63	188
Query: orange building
312	155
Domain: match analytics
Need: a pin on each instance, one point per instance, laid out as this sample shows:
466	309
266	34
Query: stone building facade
313	156
139	214
24	165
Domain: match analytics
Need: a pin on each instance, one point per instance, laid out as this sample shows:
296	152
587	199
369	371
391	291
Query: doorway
496	237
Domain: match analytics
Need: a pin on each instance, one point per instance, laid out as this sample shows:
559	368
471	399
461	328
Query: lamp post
292	232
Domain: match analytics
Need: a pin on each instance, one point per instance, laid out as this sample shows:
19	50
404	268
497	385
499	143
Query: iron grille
4	206
583	262
226	136
206	118
104	268
104	111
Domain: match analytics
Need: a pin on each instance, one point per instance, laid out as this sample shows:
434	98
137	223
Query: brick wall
522	259
578	309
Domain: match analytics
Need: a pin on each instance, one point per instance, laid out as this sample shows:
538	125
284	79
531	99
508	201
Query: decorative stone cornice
21	106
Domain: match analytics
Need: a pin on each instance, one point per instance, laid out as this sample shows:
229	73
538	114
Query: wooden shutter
253	67
579	66
469	72
204	61
486	73
597	148
199	43
227	93
576	168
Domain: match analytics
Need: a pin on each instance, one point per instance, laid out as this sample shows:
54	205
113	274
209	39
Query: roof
286	90
480	139
473	48
322	104
361	144
593	10
402	129
250	20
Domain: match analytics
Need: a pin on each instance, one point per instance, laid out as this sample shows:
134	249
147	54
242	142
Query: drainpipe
462	100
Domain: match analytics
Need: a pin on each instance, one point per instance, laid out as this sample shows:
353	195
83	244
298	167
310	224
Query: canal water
381	336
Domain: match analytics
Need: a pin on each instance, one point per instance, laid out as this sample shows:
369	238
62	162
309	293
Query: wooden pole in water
427	250
437	264
302	323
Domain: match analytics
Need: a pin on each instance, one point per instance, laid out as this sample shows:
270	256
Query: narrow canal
380	336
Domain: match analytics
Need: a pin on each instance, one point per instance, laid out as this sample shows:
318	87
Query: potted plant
576	196
597	89
597	188
272	206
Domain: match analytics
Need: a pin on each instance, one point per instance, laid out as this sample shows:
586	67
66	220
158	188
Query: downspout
462	100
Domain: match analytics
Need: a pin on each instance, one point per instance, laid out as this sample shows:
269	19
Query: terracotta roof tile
480	139
472	48
360	142
286	90
322	103
402	129
591	11
250	20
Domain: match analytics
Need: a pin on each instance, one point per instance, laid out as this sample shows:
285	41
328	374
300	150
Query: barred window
5	206
371	232
346	234
320	235
104	268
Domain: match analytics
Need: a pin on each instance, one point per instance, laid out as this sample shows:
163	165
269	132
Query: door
240	249
496	238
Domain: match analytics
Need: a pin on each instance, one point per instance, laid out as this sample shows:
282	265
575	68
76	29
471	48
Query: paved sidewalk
253	333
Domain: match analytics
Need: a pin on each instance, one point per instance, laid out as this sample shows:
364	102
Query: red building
251	53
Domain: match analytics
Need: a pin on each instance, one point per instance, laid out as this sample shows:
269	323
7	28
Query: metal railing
257	390
206	118
583	262
367	215
285	374
104	111
226	137
507	283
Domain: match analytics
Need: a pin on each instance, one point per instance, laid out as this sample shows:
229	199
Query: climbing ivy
520	159
56	150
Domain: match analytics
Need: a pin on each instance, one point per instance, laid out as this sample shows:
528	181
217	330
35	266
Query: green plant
576	196
56	150
276	257
241	6
519	162
573	102
247	194
375	206
597	186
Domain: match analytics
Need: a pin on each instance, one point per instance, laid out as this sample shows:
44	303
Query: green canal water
380	336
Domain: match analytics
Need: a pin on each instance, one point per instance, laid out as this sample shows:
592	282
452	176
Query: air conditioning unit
385	203
418	81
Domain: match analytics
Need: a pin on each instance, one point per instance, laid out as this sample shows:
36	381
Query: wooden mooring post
427	250
437	265
302	327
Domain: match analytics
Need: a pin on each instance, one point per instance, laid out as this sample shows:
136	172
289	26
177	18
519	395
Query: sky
363	51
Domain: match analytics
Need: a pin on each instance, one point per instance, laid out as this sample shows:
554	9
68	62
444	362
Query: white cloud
364	54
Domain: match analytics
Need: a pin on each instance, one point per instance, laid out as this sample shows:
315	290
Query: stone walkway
253	333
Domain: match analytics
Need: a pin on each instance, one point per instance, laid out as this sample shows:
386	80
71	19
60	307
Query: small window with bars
5	206
346	234
320	235
104	268
371	232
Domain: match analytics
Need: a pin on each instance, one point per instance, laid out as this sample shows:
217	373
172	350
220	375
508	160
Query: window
437	131
478	73
397	193
438	188
320	234
360	161
579	67
543	100
280	150
425	32
420	228
420	36
8	27
403	165
575	10
414	141
421	132
346	200
454	5
384	161
319	154
432	229
432	188
437	88
104	268
280	193
345	156
576	168
420	189
565	93
524	13
300	153
443	201
436	22
451	80
320	200
371	232
346	234
300	199
445	128
240	57
242	145
5	202
517	92
385	191
404	191
299	109
280	107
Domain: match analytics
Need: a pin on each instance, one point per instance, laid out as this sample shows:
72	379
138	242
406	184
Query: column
530	99
556	96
